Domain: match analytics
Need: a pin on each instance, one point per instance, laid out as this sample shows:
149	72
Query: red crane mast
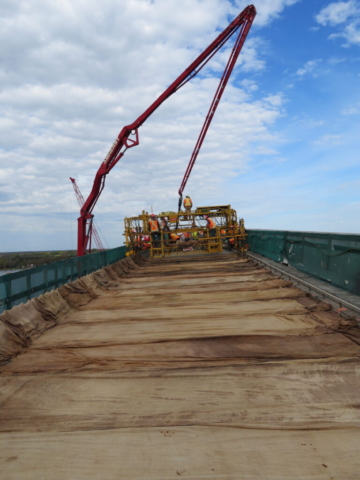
95	234
124	141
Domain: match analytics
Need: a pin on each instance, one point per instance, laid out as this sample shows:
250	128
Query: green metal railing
332	257
19	287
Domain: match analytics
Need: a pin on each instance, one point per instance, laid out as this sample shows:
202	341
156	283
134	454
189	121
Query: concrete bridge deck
202	367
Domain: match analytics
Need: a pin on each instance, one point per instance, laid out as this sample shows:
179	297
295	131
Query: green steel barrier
19	287
332	257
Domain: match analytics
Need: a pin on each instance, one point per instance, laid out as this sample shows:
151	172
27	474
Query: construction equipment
129	135
138	235
95	234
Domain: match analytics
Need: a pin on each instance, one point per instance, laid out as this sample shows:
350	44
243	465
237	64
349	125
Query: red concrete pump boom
245	27
95	234
124	141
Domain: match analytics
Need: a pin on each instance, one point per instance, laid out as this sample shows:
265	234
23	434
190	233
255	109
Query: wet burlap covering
200	367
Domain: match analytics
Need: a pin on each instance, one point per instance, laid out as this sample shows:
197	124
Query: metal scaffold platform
186	232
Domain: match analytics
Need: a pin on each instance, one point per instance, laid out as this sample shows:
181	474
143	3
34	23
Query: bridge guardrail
332	257
19	287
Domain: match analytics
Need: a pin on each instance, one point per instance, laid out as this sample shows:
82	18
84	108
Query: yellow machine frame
223	215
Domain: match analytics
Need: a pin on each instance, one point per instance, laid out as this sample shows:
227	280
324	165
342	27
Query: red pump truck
129	135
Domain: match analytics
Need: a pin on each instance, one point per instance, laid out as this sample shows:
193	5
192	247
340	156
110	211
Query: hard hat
133	230
231	226
152	215
187	196
206	216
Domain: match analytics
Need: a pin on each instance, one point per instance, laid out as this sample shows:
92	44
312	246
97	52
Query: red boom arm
123	141
95	234
244	30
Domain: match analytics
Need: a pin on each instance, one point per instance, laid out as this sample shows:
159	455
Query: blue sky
318	179
283	148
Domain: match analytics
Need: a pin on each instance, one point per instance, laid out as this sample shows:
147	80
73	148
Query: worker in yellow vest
154	228
211	225
187	205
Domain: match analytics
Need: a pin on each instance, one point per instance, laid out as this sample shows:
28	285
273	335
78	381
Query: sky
283	147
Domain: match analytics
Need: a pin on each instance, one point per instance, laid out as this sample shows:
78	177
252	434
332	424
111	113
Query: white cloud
275	100
344	14
249	59
249	85
308	67
336	60
314	123
336	13
329	140
73	73
267	10
304	122
265	151
353	110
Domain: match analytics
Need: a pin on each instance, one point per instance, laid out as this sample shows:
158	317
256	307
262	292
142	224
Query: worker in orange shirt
187	205
174	237
145	242
185	237
154	228
231	239
211	225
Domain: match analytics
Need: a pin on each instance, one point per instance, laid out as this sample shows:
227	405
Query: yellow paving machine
186	232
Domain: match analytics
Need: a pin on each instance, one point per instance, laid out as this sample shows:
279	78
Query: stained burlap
23	323
202	368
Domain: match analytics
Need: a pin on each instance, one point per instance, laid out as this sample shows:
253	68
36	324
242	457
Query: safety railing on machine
163	245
